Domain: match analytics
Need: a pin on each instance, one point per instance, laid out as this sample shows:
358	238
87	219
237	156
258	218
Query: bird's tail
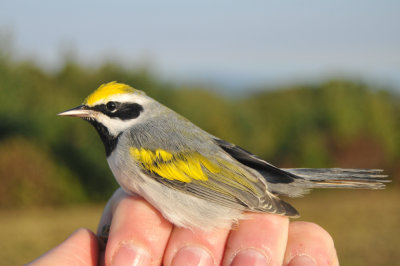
340	178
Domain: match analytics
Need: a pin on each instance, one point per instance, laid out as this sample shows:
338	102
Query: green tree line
46	159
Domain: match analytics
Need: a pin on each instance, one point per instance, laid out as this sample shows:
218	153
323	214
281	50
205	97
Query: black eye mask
123	111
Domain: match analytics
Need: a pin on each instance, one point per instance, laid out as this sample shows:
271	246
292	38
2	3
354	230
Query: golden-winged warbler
195	179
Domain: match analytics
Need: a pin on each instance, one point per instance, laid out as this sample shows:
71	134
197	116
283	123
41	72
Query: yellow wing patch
182	167
107	90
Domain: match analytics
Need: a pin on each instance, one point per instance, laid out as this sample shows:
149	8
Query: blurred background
300	85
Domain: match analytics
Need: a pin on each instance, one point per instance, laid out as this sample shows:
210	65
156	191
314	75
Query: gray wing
221	180
235	185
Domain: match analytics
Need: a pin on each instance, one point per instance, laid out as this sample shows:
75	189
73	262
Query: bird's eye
111	106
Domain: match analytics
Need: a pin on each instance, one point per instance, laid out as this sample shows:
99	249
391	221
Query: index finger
138	233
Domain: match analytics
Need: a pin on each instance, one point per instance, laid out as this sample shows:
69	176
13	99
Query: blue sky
235	43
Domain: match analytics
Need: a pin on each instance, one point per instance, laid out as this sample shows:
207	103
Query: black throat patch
109	141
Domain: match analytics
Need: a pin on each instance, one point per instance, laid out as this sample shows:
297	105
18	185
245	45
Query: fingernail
192	255
302	260
250	257
130	254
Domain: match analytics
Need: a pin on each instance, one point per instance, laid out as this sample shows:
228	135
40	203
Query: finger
309	243
259	240
80	248
109	208
105	220
138	233
195	247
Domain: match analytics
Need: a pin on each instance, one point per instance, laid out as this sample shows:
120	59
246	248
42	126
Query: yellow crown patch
107	90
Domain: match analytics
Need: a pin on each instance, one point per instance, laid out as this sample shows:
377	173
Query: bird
195	179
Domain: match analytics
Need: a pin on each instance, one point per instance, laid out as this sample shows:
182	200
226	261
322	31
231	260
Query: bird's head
112	109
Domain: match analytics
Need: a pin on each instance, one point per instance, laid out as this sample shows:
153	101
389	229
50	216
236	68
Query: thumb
81	248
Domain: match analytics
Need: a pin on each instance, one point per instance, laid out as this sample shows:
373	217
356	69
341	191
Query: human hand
139	235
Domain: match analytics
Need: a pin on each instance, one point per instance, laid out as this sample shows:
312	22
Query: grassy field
364	224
